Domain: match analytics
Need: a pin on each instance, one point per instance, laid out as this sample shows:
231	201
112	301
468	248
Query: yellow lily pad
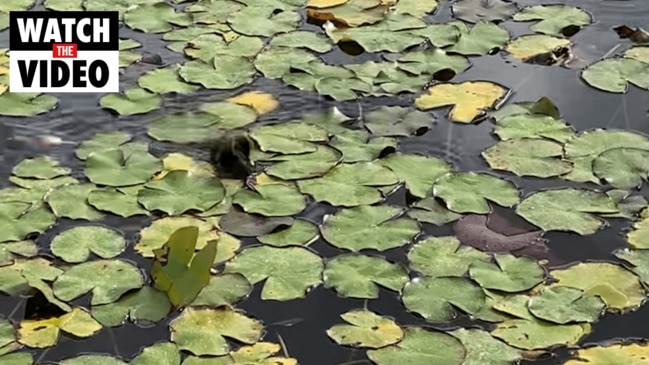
43	333
528	46
633	354
469	98
262	103
178	161
324	3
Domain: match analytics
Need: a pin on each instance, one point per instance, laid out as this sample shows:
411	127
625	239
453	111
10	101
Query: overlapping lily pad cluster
352	164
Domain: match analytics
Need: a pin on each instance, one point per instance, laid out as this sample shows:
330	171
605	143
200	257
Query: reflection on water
78	117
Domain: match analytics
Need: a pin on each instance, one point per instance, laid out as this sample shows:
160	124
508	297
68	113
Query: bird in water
230	156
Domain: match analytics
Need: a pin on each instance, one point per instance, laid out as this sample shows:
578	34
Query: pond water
301	324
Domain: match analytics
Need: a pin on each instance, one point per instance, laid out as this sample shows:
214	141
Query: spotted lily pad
468	192
623	168
528	157
132	101
554	19
443	256
300	233
41	333
435	298
223	290
179	191
271	200
113	168
482	348
530	334
420	346
418	172
41	167
145	305
358	276
397	121
288	272
74	245
473	11
507	273
165	80
369	227
365	329
70	201
562	304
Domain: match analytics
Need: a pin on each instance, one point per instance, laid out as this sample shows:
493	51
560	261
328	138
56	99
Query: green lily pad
586	146
521	126
165	80
25	104
271	200
202	331
543	106
418	172
179	191
9	251
263	21
435	298
609	353
358	276
106	279
420	347
74	245
155	18
614	74
619	288
528	157
206	47
226	72
369	227
535	335
359	146
365	329
350	185
628	204
483	37
132	101
145	305
184	127
93	359
103	141
162	353
154	236
562	304
23	274
566	209
114	168
289	138
41	167
443	256
304	165
177	271
553	19
300	233
507	273
119	201
208	12
127	54
302	39
430	210
70	201
43	185
468	192
288	272
482	348
230	115
18	220
223	290
623	168
536	48
473	11
275	62
377	38
240	223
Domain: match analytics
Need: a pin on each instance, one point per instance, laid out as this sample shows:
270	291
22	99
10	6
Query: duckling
230	156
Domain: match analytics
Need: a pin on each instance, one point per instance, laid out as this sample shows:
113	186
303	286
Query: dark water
301	324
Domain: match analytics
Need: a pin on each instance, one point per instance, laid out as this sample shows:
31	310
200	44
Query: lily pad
201	331
528	157
507	273
240	223
469	98
165	80
435	298
102	141
535	335
614	74
9	251
223	290
528	48
206	47
554	19
271	200
473	11
480	40
358	276
398	121
418	172
623	168
155	18
483	349
154	236
42	333
302	39
289	138
119	201
74	245
468	192
420	346
263	21
41	167
365	329
300	233
289	273
226	72
626	353
566	209
145	305
113	168
179	191
369	227
26	104
521	126
18	220
132	101
562	304
430	210
275	62
443	256
70	201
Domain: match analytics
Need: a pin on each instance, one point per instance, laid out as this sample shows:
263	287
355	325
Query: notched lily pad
365	329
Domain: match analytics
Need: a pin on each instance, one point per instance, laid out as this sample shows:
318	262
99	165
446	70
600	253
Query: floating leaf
358	276
358	146
42	333
566	209
352	13
562	304
619	288
350	184
127	55
75	244
528	48
480	40
9	251
365	329
379	37
201	331
614	74
18	220
625	353
106	279
179	191
443	256
623	168
271	200
289	138
146	304
41	167
430	210
177	271
275	62
226	72
469	98
398	121
262	103
155	18
420	346
239	223
207	47
288	272
114	168
554	19
132	101
119	201
93	359
482	348
418	172
302	39
229	115
300	233
163	353
25	104
528	157
263	21
103	141
223	290
259	353
70	201
154	236
434	298
369	227
468	192
165	80
533	334
473	11
521	126
508	273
